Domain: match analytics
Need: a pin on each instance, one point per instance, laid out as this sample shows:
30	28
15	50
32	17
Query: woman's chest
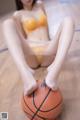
33	20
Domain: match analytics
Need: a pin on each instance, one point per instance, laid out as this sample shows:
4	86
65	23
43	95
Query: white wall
69	1
7	6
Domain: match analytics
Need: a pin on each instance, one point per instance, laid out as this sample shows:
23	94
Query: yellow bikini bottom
39	49
39	53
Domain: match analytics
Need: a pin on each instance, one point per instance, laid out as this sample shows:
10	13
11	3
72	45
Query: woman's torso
37	35
34	24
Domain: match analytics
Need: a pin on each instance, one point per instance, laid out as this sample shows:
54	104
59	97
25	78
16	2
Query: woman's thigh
50	54
29	55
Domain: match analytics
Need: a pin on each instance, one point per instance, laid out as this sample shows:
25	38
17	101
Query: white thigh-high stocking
51	50
14	45
63	46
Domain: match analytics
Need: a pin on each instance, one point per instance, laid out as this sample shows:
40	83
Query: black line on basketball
46	110
28	113
25	111
41	104
33	112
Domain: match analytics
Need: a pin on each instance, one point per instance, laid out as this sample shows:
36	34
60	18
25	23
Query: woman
28	40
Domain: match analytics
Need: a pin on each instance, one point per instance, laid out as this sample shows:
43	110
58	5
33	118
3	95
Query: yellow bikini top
33	23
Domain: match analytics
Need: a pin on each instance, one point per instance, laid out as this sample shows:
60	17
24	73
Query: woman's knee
68	21
10	30
7	23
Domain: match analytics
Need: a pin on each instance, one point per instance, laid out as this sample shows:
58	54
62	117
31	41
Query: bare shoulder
39	2
17	13
40	5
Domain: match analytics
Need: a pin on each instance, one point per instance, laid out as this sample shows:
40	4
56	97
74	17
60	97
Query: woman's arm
28	53
16	17
63	46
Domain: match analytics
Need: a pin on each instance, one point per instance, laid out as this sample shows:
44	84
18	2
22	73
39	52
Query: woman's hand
29	88
50	82
51	85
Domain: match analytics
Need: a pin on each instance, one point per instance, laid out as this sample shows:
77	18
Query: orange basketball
43	104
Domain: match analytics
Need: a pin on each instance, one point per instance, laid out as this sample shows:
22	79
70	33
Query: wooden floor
11	86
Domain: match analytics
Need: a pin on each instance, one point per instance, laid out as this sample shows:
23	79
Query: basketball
43	104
